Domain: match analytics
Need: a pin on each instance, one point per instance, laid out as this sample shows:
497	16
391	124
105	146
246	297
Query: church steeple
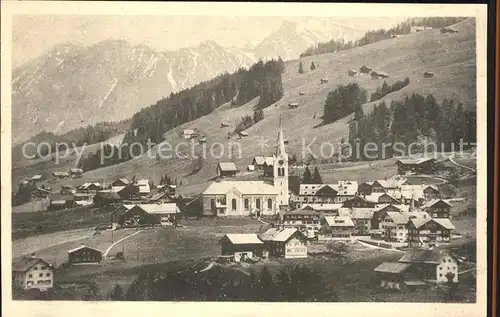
280	149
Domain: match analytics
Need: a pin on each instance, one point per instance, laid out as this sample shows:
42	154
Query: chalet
261	161
83	199
380	212
391	275
36	178
152	214
358	202
438	208
250	168
395	224
323	208
84	254
323	80
365	188
384	185
361	217
117	216
431	192
41	191
385	198
104	198
242	134
143	187
76	172
268	166
429	232
120	182
338	226
59	202
89	188
241	246
226	169
365	69
67	190
160	197
327	193
419	166
428	74
187	134
432	265
60	175
288	243
293	105
352	72
305	220
29	272
224	125
378	74
449	29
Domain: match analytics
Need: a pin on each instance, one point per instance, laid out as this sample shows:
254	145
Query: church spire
280	150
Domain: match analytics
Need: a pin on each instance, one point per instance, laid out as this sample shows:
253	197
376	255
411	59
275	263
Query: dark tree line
308	178
410	121
373	36
343	101
291	283
386	89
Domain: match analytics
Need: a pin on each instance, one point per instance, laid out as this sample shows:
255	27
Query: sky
34	34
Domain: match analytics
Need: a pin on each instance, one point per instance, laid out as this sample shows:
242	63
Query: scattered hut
428	74
301	93
293	105
365	69
323	81
352	72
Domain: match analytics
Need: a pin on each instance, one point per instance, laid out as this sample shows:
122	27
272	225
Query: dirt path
105	254
462	166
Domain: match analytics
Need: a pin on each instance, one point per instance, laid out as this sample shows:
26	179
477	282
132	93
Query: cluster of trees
343	101
291	283
77	137
386	89
308	178
247	121
373	36
312	67
412	121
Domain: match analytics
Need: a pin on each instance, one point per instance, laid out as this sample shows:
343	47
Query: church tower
280	169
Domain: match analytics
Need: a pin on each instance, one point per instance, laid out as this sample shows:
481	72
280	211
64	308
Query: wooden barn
226	169
84	254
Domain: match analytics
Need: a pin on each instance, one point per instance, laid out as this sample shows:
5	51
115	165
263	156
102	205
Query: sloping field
450	56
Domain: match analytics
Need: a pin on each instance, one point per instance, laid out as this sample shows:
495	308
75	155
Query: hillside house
120	182
288	243
419	166
323	81
362	219
428	74
104	198
429	232
352	72
241	246
89	188
365	69
59	202
143	187
224	125
438	208
187	134
293	105
338	226
378	74
29	272
242	134
301	93
60	175
165	215
365	188
84	254
261	161
76	172
226	169
35	179
431	192
415	29
305	220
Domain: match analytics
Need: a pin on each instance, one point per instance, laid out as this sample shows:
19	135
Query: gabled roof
158	196
60	174
399	218
35	177
347	188
84	247
414	161
391	183
144	189
24	263
269	234
143	182
123	180
285	234
373	197
166	208
339	221
435	201
392	267
227	167
322	207
76	170
243	238
244	187
431	256
259	160
445	222
362	213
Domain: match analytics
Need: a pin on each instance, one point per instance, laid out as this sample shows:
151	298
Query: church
252	198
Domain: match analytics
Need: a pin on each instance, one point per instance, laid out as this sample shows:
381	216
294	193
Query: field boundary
105	254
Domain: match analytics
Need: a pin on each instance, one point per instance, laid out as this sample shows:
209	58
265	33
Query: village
298	219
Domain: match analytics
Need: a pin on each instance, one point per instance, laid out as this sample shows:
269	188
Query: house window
43	268
233	204
212	204
269	203
30	275
35	268
246	203
40	275
257	203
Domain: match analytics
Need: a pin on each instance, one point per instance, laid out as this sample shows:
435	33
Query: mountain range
72	86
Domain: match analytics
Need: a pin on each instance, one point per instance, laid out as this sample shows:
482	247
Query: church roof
245	187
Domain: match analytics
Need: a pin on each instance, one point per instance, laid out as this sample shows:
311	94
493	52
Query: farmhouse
428	74
288	243
58	202
244	198
32	272
67	190
293	105
143	188
361	217
352	72
323	208
117	217
419	166
89	188
241	246
339	226
120	182
76	172
224	125
226	169
395	224
83	199
305	220
432	265
103	198
378	74
438	208
359	202
165	215
160	197
323	81
242	134
365	69
386	198
327	193
261	161
301	93
84	254
429	232
36	178
250	168
60	174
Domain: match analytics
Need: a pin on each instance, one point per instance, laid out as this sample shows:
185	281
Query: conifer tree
306	177
301	68
316	179
313	67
